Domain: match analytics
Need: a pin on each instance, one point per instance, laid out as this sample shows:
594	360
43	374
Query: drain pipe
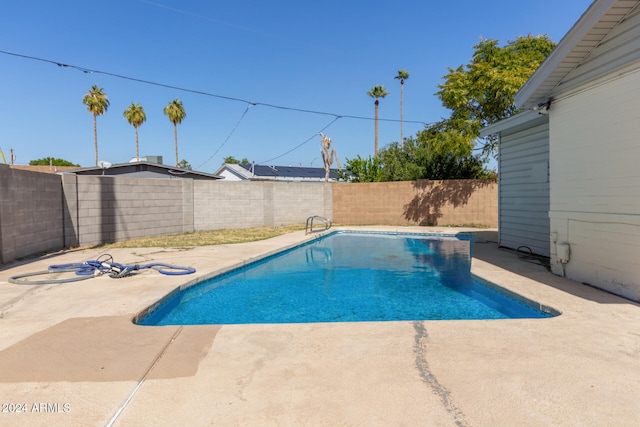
563	251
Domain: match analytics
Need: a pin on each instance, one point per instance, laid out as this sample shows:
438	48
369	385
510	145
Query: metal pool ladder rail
309	226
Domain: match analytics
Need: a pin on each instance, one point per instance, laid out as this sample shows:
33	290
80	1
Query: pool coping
310	237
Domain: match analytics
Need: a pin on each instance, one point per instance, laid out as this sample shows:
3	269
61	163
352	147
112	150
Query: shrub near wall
423	202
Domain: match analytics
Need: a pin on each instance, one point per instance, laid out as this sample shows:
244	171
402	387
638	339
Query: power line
199	92
301	144
231	25
228	98
228	136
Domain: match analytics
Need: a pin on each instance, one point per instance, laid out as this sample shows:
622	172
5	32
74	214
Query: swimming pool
348	277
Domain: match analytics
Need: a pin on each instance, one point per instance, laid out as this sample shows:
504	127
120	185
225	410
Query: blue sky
321	56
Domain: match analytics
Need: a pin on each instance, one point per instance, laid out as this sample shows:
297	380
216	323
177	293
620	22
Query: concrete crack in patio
428	377
32	291
144	377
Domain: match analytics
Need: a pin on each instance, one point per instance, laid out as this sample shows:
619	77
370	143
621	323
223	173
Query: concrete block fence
423	202
243	204
42	212
104	209
31	219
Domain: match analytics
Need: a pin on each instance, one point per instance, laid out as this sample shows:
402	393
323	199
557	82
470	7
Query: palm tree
97	104
175	111
135	116
402	76
377	92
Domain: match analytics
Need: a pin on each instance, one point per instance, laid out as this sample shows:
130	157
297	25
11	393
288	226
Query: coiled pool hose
104	264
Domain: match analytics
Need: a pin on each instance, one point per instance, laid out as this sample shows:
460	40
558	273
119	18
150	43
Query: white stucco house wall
588	91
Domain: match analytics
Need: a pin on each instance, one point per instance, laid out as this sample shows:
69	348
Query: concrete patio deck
70	355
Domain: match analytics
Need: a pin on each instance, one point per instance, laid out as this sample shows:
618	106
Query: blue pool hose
102	265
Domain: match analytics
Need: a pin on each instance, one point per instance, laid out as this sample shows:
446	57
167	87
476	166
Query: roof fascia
523	99
519	121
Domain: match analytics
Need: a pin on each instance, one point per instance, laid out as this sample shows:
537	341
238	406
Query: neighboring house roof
274	173
233	172
143	170
593	27
43	169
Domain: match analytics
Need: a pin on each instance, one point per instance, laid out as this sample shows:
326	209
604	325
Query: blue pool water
347	277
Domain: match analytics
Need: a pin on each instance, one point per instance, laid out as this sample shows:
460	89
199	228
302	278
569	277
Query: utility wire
229	98
301	144
199	92
228	136
231	25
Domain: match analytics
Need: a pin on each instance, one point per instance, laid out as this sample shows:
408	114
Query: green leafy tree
439	152
361	170
444	153
377	92
233	161
46	161
483	90
402	76
135	116
477	94
97	104
183	164
176	114
399	162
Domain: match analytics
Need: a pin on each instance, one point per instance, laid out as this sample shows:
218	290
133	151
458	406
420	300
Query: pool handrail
309	225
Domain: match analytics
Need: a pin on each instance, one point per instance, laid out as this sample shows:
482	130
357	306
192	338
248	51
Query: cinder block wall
30	213
227	205
242	204
110	208
423	202
294	202
41	212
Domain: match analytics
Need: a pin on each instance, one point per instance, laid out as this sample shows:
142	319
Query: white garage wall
524	187
595	184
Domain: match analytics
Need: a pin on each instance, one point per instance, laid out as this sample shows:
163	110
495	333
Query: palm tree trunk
401	115
137	155
375	151
95	137
175	138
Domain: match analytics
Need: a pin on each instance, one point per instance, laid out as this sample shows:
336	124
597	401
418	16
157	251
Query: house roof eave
540	86
514	123
173	171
